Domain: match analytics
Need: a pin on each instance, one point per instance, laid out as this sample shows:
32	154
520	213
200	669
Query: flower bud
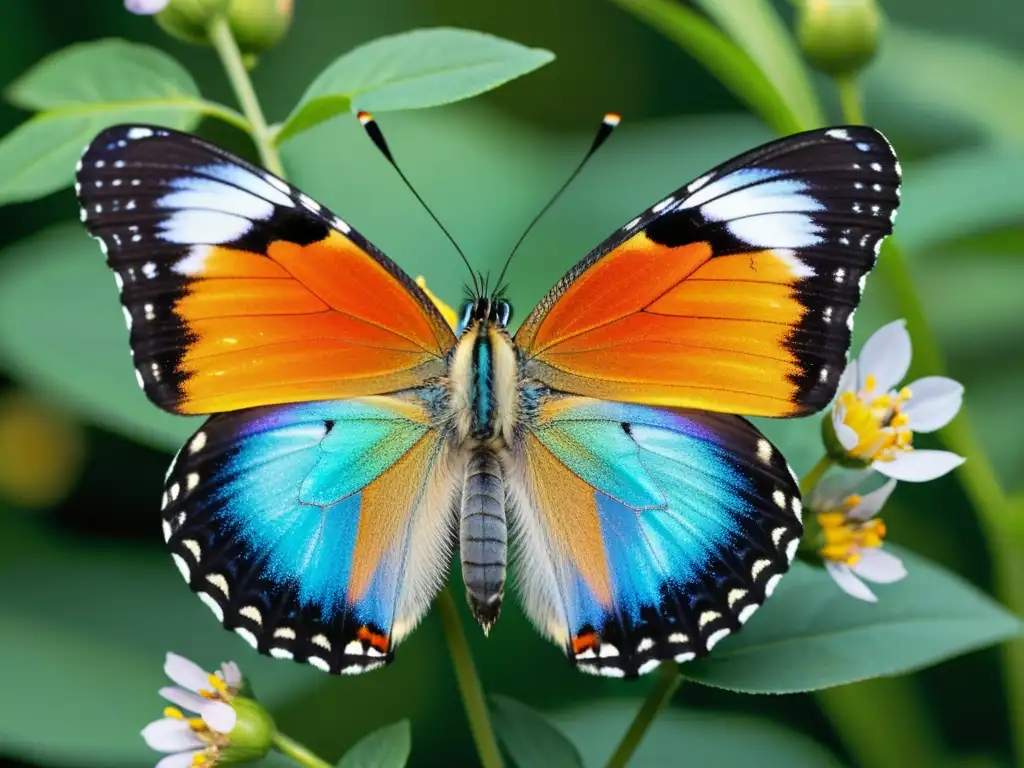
252	736
838	37
188	19
259	24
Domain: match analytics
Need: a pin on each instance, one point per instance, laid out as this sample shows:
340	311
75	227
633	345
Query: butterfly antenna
608	124
374	132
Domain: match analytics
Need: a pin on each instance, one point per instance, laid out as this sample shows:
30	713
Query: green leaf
387	747
757	29
530	738
961	193
61	331
931	75
102	71
86	88
811	635
423	68
723	58
90	626
690	738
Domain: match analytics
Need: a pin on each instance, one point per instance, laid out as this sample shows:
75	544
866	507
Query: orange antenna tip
364	118
612	119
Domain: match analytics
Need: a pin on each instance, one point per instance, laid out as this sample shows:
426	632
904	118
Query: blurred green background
89	602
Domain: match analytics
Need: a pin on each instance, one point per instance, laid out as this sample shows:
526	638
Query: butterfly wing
241	291
646	534
735	293
318	532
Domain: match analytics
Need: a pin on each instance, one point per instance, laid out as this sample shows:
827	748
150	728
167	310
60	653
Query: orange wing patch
570	516
711	334
311	322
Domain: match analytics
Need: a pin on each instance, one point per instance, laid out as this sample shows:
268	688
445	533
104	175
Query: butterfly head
496	311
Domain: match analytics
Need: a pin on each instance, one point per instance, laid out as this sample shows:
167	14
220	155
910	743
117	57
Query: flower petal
933	403
848	381
186	673
846	435
871	503
830	493
193	702
231	673
919	466
849	583
146	7
170	735
886	356
219	716
180	760
879	566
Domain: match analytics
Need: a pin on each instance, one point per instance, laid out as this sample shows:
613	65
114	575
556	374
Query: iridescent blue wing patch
317	531
648	534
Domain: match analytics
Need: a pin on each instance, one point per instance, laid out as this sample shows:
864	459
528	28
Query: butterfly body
596	454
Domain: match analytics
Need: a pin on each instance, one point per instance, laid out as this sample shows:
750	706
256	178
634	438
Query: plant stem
298	752
977	475
849	99
813	477
224	42
667	684
469	683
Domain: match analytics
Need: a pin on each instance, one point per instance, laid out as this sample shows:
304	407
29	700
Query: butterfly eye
465	314
502	312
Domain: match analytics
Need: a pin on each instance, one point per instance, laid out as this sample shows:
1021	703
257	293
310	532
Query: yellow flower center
844	538
882	428
214	741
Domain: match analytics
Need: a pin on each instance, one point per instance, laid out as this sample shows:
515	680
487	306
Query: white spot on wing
248	636
608	650
285	633
659	207
212	605
838	133
281	653
771	584
780	230
746	612
198	442
797	267
764	450
319	663
647	666
139	133
183	568
252	613
212	227
779	498
715	637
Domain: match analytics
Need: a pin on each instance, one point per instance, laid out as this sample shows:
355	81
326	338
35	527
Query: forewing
645	534
318	532
241	291
735	293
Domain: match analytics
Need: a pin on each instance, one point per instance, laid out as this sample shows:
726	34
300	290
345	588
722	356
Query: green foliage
387	747
756	28
82	90
812	635
735	67
690	737
530	738
941	77
417	69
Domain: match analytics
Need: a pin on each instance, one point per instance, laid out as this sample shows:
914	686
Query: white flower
146	7
874	423
852	535
198	738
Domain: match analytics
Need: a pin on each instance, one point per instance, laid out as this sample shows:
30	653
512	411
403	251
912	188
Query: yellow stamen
173	712
883	430
197	724
219	686
845	538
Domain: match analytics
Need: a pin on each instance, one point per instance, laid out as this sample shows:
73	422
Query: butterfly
354	436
